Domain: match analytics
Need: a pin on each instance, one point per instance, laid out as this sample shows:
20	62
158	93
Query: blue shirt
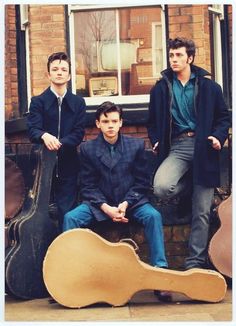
182	110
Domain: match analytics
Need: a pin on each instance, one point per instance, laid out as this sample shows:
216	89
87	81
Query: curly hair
180	42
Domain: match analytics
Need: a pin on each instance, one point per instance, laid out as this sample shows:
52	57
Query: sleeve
90	180
76	135
222	118
35	121
141	178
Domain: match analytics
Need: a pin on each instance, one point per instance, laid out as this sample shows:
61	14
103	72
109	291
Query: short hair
107	107
180	42
58	56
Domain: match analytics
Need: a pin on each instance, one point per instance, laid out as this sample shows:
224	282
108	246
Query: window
22	44
116	52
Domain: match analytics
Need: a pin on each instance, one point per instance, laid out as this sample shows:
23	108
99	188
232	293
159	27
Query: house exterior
117	54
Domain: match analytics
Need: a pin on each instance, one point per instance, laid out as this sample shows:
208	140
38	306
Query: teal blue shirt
183	114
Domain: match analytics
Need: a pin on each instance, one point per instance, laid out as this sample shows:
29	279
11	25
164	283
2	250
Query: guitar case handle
131	242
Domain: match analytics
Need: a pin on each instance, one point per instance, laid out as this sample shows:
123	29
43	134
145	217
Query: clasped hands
117	214
51	142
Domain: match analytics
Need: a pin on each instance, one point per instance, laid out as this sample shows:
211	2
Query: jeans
170	180
148	216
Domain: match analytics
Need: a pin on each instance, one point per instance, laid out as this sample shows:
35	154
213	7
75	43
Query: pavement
143	307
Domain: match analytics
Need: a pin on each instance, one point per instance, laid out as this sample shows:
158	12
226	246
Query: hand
51	142
114	213
155	147
123	207
215	143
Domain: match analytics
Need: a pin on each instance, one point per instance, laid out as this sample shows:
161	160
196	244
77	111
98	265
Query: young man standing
188	125
114	184
57	119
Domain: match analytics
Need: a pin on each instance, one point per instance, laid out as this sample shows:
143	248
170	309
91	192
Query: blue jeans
148	216
170	180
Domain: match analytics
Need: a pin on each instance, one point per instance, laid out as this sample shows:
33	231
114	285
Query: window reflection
118	52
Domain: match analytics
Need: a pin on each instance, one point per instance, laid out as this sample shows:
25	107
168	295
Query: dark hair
58	56
107	107
180	42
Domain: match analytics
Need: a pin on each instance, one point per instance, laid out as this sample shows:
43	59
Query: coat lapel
103	153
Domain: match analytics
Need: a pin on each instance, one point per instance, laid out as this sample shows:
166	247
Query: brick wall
192	21
47	35
11	85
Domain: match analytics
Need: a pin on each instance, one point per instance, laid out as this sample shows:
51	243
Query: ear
97	124
190	59
121	122
69	77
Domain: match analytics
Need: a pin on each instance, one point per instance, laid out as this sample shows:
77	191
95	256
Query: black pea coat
112	181
212	119
44	117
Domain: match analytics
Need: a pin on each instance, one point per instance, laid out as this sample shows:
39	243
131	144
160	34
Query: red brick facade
47	34
11	80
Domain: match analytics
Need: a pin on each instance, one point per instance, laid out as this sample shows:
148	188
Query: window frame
118	99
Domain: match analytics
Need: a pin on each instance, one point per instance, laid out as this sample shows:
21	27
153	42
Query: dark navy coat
112	181
44	117
212	119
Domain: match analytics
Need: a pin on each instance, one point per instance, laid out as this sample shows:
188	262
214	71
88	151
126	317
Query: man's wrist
104	207
43	135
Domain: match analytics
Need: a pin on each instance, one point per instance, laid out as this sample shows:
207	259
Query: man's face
109	125
179	60
59	72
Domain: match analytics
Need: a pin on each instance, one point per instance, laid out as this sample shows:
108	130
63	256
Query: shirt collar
57	95
192	76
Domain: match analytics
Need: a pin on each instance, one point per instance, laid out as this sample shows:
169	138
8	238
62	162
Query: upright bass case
30	233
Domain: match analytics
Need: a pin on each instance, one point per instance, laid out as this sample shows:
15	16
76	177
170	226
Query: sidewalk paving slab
143	306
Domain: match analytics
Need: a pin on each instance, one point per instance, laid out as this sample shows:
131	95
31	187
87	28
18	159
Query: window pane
96	60
144	71
112	62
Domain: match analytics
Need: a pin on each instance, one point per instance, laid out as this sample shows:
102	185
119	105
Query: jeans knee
154	217
164	191
160	191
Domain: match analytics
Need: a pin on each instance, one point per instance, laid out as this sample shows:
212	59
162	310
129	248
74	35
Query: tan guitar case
81	268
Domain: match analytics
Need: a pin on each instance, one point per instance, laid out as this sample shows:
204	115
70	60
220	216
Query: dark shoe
164	296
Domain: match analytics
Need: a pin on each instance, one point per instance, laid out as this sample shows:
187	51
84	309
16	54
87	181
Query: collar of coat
198	71
103	153
50	99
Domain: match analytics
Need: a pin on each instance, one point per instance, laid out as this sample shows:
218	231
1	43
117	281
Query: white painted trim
72	50
127	99
28	70
72	7
163	24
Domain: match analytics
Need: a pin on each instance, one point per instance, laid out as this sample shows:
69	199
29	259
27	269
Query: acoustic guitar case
220	247
14	189
81	268
30	235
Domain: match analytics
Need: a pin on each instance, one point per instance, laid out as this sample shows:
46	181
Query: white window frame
119	99
24	17
218	15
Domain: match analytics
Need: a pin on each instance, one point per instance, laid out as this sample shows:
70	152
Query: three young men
57	119
188	125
